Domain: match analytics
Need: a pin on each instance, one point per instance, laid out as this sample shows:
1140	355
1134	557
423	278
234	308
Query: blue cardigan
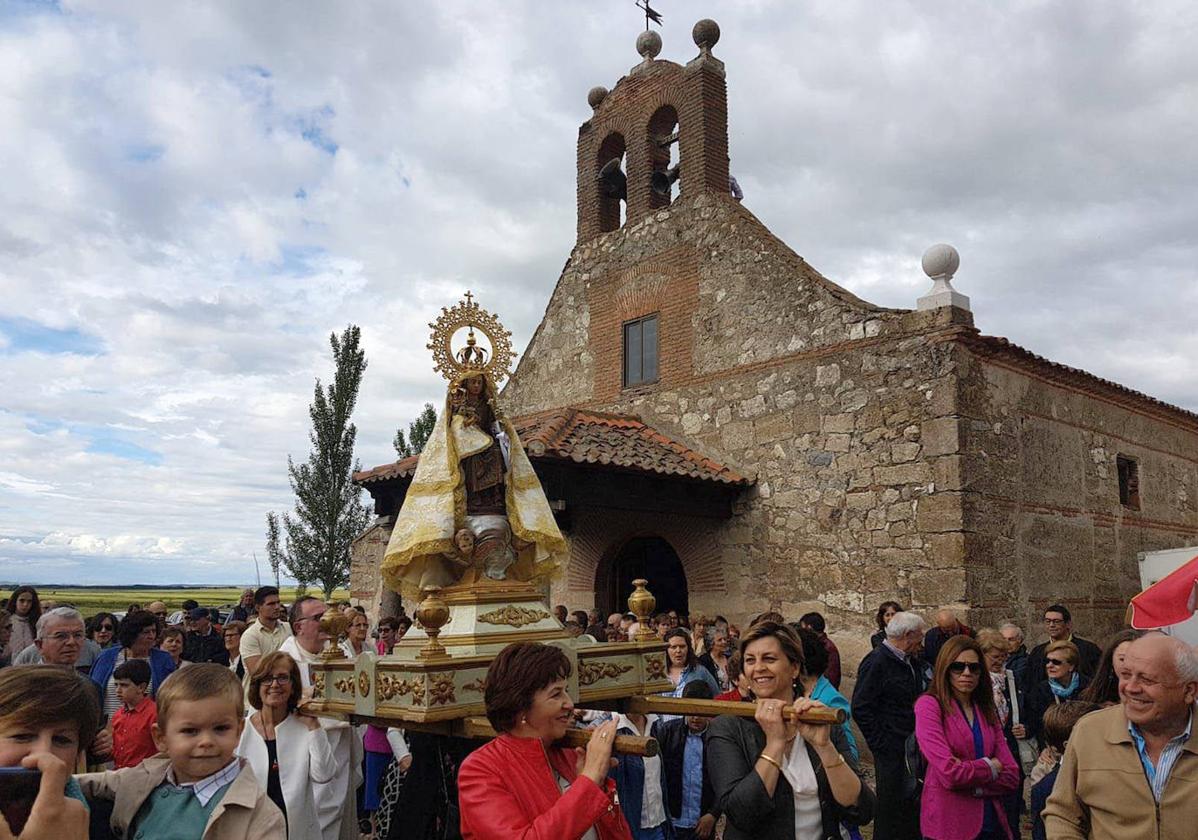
161	666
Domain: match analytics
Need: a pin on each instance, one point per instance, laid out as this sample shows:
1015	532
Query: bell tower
661	132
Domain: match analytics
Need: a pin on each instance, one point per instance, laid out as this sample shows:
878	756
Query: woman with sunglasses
290	754
1064	682
970	768
102	628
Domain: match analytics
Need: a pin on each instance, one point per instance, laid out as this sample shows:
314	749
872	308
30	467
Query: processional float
474	543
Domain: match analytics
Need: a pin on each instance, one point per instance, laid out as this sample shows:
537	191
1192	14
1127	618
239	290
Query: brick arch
598	536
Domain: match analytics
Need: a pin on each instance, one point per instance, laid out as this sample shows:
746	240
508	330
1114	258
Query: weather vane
651	14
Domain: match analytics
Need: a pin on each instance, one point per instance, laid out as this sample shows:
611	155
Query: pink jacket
951	807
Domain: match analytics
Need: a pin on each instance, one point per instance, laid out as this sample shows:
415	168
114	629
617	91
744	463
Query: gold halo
467	313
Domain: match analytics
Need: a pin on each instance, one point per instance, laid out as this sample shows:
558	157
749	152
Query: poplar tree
419	431
329	512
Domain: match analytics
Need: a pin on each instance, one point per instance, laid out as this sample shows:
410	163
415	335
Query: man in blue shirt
689	797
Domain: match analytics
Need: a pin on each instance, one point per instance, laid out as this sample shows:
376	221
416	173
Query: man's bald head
946	620
1159	683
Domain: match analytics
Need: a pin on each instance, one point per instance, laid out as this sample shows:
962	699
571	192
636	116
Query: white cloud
170	196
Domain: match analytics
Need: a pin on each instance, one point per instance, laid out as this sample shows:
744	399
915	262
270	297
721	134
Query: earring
524	721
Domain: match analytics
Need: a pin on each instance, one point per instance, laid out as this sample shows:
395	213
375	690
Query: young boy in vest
132	725
199	789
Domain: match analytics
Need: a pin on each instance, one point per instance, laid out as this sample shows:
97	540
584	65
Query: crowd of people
321	778
197	729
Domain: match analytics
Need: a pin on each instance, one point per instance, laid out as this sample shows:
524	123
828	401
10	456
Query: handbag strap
1014	698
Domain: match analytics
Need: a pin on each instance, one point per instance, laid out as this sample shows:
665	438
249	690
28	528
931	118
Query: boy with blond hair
199	789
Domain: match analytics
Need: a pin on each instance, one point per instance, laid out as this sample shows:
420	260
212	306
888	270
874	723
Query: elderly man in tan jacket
1131	771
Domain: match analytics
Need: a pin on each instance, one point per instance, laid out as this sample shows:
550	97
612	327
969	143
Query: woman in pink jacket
970	767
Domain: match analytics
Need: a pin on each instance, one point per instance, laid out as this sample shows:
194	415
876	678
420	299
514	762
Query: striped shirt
207	787
1158	774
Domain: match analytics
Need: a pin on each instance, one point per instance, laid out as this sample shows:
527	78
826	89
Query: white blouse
809	819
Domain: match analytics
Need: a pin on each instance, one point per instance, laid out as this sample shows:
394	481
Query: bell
661	181
612	180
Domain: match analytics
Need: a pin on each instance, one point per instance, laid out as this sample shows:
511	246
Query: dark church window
640	351
1129	482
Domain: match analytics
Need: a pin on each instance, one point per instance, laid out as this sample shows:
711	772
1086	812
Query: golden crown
468	315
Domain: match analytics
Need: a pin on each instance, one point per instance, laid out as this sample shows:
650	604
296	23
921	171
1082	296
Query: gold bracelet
836	764
770	760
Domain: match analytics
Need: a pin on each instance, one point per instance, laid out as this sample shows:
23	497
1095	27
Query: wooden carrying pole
479	727
657	704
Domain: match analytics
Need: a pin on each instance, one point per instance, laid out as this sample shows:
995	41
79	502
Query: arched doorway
651	558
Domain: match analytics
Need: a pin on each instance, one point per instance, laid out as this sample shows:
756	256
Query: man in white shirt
307	641
267	634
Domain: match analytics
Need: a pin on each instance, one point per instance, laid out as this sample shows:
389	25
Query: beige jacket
243	813
1102	792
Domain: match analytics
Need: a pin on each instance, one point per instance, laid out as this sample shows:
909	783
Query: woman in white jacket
288	751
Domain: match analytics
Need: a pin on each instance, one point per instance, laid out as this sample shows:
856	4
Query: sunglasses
962	667
280	679
1052	661
107	627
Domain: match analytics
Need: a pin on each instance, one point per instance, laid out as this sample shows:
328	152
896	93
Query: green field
90	600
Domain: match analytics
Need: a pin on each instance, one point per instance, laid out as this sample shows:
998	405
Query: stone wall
1043	516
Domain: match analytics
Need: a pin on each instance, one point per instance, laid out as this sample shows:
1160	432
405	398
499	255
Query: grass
90	600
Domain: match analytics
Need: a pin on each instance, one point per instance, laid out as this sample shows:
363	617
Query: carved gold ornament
441	689
346	686
364	684
418	690
513	616
477	686
590	673
467	314
390	687
655	667
318	684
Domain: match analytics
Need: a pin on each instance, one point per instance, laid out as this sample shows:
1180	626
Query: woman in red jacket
521	786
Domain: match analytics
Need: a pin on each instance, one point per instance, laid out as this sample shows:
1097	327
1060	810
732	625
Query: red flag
1171	600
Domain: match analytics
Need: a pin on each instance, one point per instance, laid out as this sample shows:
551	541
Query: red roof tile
591	437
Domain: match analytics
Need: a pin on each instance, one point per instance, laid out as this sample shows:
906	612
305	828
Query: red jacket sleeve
490	812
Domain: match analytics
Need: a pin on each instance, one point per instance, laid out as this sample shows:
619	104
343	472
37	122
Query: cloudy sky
195	195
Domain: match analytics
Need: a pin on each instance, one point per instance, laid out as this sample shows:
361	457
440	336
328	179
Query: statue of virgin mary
473	474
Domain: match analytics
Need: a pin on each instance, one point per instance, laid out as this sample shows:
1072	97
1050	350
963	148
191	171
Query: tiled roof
591	437
996	347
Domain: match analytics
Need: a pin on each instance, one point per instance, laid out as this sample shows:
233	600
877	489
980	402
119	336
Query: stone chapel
708	411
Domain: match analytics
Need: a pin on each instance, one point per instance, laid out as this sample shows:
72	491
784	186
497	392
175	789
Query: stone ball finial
706	34
648	44
596	95
941	261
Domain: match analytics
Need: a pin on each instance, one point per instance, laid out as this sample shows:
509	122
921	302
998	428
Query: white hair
1013	626
55	616
903	623
1186	662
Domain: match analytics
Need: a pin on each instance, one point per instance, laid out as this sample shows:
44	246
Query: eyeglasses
317	617
62	637
1052	661
159	614
962	667
1054	621
105	627
277	679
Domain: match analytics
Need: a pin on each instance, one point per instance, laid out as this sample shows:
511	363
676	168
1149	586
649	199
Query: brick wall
666	285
